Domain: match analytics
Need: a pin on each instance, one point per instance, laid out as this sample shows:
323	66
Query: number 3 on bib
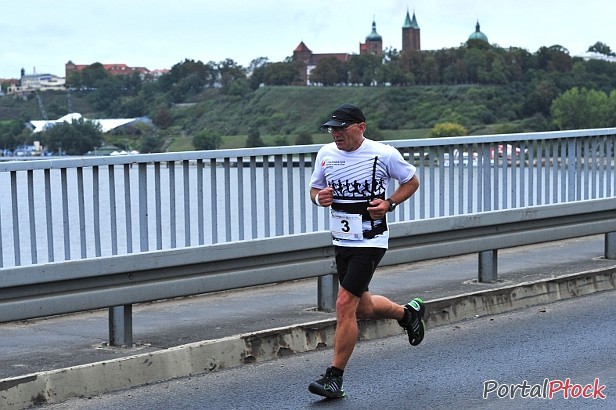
346	226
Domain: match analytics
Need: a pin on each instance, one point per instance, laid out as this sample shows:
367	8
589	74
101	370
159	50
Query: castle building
411	39
310	60
373	45
113	69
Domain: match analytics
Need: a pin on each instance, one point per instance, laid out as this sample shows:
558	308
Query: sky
41	36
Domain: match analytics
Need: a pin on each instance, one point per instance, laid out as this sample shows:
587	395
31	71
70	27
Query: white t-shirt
357	178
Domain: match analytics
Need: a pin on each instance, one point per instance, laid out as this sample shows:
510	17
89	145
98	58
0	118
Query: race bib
346	226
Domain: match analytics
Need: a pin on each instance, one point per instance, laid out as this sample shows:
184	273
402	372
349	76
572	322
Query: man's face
348	138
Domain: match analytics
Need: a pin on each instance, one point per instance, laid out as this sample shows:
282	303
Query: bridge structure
107	232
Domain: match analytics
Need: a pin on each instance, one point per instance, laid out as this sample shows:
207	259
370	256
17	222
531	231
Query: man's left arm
379	207
406	190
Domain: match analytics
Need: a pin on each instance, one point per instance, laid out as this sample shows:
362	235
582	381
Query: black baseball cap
344	115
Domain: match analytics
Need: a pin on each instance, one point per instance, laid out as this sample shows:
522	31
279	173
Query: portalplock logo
549	389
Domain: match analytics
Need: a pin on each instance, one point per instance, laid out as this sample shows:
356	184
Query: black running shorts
356	266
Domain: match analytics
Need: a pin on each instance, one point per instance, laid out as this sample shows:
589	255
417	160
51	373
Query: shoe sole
416	338
319	391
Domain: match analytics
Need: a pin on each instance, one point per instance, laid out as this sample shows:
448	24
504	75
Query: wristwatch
392	205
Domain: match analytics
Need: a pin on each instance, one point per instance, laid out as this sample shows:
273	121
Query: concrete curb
211	355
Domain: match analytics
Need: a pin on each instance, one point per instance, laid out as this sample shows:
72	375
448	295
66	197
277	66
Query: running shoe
414	326
329	386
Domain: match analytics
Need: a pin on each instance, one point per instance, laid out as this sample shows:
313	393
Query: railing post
327	292
121	326
488	266
610	245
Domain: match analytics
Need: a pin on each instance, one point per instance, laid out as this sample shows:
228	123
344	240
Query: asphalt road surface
526	353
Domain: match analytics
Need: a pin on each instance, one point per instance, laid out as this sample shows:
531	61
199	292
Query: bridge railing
117	282
64	209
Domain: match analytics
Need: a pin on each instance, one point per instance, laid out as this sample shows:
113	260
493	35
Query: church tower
478	35
410	34
373	44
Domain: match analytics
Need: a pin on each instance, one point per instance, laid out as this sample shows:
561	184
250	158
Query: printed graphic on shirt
355	185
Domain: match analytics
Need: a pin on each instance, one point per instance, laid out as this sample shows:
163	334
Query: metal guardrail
119	281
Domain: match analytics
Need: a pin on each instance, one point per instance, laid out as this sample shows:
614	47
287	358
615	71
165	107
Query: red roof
301	47
116	69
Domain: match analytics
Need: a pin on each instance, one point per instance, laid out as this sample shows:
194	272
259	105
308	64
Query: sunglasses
340	129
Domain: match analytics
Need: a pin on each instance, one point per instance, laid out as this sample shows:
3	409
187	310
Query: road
573	339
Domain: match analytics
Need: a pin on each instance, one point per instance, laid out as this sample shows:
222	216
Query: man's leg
409	316
346	328
345	337
378	307
349	308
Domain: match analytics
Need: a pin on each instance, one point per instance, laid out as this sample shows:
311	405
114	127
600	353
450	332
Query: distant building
598	56
478	35
113	69
35	82
105	124
310	60
411	36
372	45
158	73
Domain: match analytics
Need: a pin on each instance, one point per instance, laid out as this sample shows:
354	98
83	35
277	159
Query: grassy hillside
281	113
290	110
55	103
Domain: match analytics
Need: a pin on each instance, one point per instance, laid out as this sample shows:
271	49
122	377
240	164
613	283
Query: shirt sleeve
399	168
318	176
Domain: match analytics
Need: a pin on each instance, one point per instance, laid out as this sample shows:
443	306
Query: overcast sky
41	36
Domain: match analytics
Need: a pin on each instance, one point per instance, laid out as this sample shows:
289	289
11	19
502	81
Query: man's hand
378	208
325	197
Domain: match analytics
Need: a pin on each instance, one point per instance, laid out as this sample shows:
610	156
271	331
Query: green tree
257	64
205	74
254	139
151	143
207	140
92	74
76	138
10	134
448	129
329	71
284	73
391	73
476	65
281	141
374	134
106	97
411	62
304	138
229	71
429	70
579	109
162	117
239	87
601	48
554	58
363	68
610	110
539	100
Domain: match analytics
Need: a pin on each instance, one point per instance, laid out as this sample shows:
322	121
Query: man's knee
346	301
